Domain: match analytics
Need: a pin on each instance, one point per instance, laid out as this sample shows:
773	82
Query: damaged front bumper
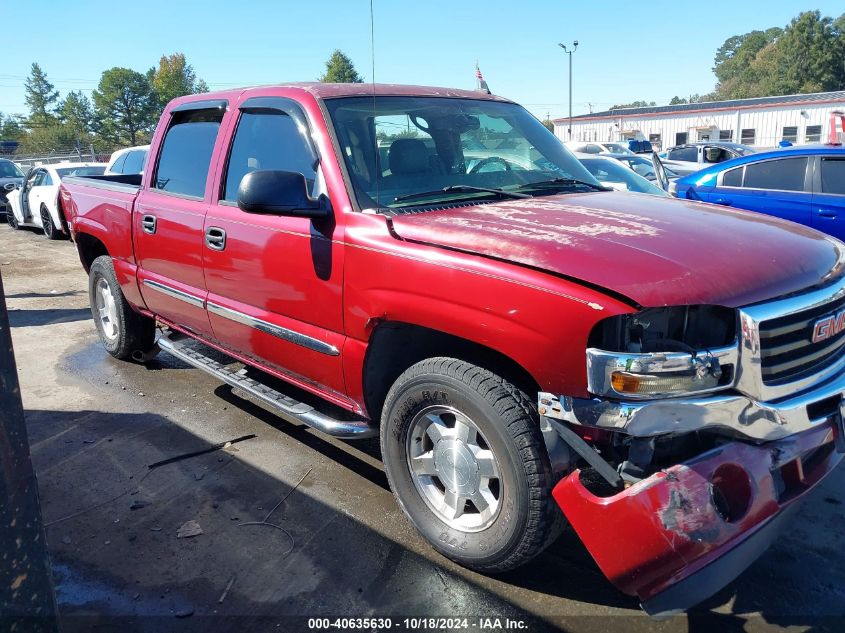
678	536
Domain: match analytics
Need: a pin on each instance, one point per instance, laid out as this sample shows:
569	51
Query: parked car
129	160
37	203
692	157
516	338
11	177
801	184
616	147
616	175
644	166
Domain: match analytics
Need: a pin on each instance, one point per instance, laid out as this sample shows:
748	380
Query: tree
125	106
634	104
174	77
76	114
339	69
808	55
678	100
548	124
40	97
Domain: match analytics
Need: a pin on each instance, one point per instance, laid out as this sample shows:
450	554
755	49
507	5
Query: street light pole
569	52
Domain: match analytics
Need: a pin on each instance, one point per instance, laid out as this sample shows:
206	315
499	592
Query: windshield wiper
461	189
565	182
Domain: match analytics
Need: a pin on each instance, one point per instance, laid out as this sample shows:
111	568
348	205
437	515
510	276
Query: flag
479	80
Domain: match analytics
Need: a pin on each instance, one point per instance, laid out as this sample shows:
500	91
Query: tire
519	519
121	329
47	225
11	220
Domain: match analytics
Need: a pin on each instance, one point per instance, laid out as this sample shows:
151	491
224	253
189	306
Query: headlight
663	352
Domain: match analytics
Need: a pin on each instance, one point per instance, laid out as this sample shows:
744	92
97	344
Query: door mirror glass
277	192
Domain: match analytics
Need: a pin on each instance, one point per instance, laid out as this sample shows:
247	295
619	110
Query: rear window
786	174
134	162
185	155
833	175
117	167
81	171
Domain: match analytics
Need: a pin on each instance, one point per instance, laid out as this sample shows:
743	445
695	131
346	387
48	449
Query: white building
762	122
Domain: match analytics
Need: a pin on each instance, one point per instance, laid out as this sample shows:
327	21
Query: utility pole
569	52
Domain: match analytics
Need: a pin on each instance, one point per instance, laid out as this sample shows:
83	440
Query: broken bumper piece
677	537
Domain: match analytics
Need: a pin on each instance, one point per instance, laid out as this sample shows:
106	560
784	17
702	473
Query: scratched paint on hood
657	251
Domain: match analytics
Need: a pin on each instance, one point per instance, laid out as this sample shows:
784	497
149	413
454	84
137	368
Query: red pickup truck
439	269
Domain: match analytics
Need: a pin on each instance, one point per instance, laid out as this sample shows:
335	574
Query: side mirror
277	192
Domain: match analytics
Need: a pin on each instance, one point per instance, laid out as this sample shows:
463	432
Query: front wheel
11	220
122	330
466	460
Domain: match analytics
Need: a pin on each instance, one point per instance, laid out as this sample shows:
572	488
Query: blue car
801	184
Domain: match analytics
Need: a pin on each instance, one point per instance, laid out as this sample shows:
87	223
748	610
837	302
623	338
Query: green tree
11	127
75	113
174	77
548	124
676	100
40	97
339	69
634	104
125	106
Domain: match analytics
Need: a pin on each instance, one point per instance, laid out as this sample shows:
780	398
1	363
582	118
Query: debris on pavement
210	449
226	590
189	529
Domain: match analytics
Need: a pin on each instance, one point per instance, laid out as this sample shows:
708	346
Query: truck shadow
119	565
47	316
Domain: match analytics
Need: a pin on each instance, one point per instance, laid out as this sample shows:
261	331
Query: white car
592	147
130	160
610	172
36	202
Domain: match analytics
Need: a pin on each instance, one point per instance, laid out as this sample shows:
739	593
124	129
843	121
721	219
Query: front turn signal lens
624	382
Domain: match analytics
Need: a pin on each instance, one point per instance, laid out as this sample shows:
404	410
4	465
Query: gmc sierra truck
438	268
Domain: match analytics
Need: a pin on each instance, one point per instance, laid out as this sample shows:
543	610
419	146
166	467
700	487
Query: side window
47	180
39	178
684	153
833	175
732	177
186	152
813	134
118	164
134	162
786	174
267	140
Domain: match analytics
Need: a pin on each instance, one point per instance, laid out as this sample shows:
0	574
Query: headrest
408	156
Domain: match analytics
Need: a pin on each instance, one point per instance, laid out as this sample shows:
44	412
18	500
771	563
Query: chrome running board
285	406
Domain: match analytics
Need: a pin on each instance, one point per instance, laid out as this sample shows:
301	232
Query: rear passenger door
829	195
169	216
274	281
780	187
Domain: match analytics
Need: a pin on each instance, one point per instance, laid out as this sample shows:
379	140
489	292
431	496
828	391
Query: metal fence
62	155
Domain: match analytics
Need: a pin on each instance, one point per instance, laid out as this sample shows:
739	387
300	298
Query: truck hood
654	251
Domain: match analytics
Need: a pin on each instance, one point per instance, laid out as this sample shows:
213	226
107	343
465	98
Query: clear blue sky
435	42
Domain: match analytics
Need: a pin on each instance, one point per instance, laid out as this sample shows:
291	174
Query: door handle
825	213
215	238
723	202
148	224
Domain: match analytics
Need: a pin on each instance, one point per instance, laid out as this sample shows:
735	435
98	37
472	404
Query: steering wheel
486	161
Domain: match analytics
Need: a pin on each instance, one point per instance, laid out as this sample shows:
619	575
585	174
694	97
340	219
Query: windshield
81	171
618	148
611	173
397	148
9	170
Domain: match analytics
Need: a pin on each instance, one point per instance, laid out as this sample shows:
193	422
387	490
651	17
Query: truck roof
333	90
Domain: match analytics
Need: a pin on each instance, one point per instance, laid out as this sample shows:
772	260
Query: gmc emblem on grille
828	326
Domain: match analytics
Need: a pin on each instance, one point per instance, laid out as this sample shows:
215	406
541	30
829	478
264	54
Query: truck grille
786	348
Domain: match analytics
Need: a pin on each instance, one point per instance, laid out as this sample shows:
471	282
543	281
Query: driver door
29	187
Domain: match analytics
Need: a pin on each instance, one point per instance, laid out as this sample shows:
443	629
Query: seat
408	157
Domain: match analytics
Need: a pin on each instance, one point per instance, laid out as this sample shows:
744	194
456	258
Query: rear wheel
122	330
48	226
466	460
